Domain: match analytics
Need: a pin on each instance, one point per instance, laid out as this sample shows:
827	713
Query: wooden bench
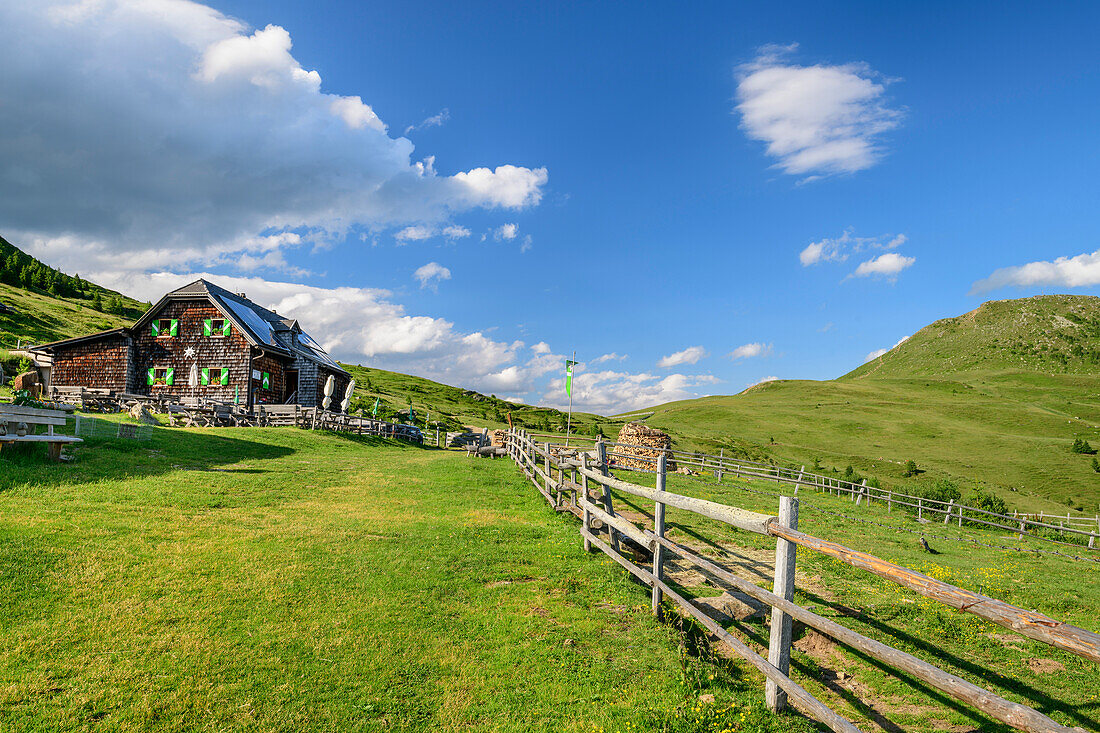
280	415
19	425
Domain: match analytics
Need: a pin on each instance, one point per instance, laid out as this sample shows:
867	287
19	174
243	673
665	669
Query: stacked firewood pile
640	447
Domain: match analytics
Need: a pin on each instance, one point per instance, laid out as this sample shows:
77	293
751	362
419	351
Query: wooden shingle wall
212	352
100	364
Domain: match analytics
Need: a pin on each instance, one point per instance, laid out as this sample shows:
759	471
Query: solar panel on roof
252	321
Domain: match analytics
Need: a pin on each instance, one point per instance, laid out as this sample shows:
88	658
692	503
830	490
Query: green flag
569	377
374	412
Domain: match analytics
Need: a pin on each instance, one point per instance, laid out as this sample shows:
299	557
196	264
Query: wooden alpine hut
203	341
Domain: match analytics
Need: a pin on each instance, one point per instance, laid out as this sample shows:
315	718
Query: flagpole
569	419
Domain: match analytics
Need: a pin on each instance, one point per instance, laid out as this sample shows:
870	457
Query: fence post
947	516
586	519
721	462
601	455
779	648
659	530
546	467
1092	540
573	480
889	502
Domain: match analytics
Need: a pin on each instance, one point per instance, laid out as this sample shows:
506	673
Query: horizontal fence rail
578	480
798	478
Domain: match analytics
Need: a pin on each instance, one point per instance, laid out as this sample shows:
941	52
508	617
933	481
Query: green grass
1057	683
1009	432
279	579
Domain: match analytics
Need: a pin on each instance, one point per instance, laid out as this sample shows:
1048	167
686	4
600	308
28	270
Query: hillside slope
1046	334
453	406
994	398
44	304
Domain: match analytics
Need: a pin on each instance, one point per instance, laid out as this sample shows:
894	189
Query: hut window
215	375
216	327
161	375
165	327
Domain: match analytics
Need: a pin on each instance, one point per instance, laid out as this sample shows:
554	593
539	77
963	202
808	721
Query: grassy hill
991	399
454	406
1046	334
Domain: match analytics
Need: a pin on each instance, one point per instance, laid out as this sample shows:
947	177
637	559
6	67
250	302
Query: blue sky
705	197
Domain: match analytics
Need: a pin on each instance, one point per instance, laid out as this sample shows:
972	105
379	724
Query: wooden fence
1083	529
579	481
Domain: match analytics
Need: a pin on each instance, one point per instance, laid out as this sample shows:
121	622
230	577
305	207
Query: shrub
910	469
1080	445
942	490
1095	464
989	501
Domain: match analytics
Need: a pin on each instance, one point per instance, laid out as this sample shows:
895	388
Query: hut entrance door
291	386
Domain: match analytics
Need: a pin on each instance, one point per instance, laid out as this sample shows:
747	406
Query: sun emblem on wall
189	352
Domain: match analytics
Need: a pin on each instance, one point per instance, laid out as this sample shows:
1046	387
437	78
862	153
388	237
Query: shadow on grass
987	677
167	450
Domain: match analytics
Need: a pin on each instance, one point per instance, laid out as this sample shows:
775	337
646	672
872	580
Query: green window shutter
175	328
205	377
226	329
151	376
169	376
225	377
156	329
207	326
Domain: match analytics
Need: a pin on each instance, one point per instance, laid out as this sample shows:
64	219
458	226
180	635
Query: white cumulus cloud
816	120
455	232
690	355
611	393
431	274
748	351
839	249
1079	271
761	381
135	128
885	265
506	232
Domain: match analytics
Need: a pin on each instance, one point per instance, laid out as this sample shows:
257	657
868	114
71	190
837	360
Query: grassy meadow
1058	684
283	580
278	579
1010	433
